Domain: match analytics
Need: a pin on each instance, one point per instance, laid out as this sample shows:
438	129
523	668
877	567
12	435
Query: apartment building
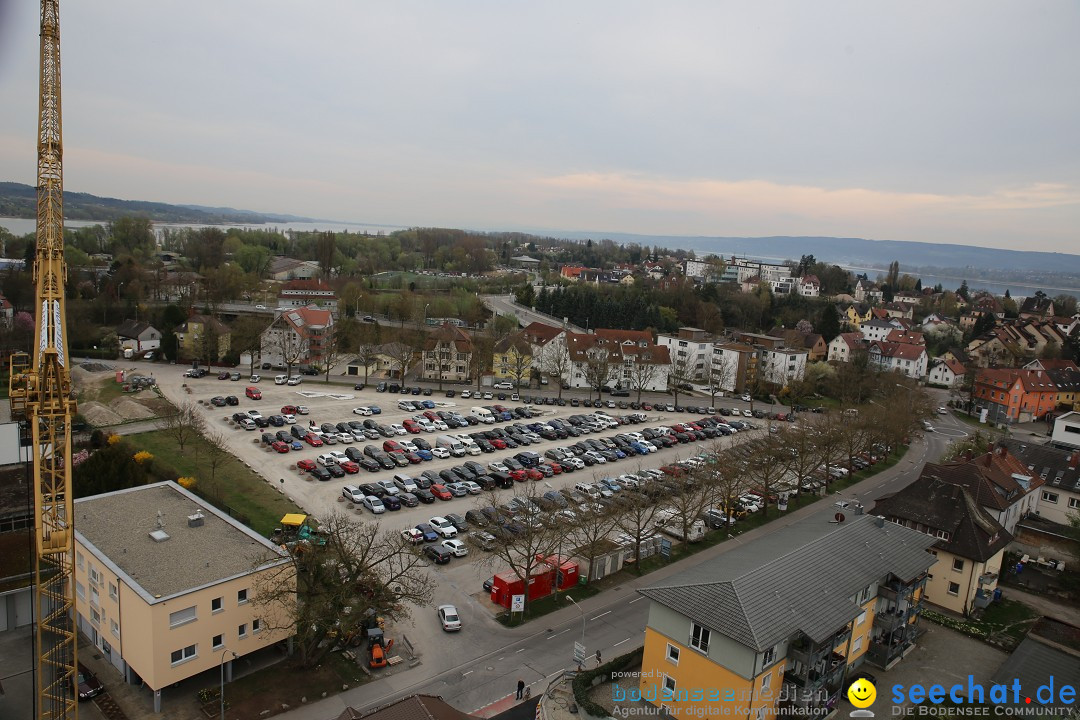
1059	472
1011	394
692	348
904	358
968	542
448	353
301	293
166	586
777	624
300	336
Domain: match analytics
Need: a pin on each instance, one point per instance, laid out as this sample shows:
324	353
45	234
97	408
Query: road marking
517	651
601	615
640	597
619	643
467	672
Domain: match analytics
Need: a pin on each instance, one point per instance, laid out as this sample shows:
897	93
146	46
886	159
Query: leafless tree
694	497
719	376
334	349
589	530
767	462
185	425
217	455
642	374
680	374
597	368
805	455
340	587
636	520
557	365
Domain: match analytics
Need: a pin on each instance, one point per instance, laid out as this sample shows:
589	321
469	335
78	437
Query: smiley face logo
862	693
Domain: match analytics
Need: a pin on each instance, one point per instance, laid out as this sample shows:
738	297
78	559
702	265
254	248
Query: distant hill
18	200
913	256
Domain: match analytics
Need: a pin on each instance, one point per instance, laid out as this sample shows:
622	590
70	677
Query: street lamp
222	665
581	664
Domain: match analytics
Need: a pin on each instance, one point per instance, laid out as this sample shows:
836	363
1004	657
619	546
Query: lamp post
222	665
580	664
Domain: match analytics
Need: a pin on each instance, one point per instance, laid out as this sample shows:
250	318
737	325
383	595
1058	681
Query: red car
646	406
313	440
392	446
411	425
518	475
556	468
441	492
349	466
413	458
534	474
430	415
280	446
289	410
306	464
498	443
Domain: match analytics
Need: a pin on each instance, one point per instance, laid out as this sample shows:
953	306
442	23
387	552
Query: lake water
23	226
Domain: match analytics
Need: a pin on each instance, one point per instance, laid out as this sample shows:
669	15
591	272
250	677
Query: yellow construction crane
41	395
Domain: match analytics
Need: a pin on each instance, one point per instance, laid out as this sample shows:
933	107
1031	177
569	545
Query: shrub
142	456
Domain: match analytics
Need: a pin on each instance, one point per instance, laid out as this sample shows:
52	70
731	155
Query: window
179	656
954	588
241	596
673	653
80	591
95	599
768	657
957	564
861	619
699	638
242	630
95	576
766	682
219	642
1074	503
857	645
114	628
256	625
864	596
669	686
215	605
1050	497
183	617
112	591
95	616
79	561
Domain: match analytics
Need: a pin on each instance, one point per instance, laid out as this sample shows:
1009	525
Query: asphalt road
505	305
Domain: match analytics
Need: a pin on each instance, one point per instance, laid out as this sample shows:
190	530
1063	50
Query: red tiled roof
318	285
540	333
905	336
904	351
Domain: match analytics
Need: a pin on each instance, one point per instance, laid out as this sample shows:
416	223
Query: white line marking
640	597
619	643
467	672
517	651
601	615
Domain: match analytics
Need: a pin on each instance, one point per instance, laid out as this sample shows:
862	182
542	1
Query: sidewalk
1046	606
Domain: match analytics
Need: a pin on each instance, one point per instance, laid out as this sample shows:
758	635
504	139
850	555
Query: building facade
202	338
448	353
166	585
298	337
302	293
778	624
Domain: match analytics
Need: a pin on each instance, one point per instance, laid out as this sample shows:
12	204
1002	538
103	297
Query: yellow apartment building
165	585
775	626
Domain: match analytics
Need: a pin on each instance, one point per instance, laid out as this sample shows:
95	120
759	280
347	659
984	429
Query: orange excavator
378	647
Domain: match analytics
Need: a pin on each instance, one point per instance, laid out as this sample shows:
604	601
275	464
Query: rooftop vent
159	536
196	518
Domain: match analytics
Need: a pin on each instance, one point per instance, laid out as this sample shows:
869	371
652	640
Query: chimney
1074	459
879	521
196	518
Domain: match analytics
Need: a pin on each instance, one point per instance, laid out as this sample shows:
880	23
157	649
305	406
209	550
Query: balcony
889	622
983	598
885	656
827	672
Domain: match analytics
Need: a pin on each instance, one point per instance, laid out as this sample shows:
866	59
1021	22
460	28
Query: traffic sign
517	603
579	653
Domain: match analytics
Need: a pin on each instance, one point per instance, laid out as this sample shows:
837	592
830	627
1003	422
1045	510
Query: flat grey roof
799	578
118	525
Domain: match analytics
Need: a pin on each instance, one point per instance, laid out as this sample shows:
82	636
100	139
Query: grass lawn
558	601
1004	623
285	682
242	490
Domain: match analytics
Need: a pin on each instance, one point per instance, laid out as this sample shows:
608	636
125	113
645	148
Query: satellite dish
839	517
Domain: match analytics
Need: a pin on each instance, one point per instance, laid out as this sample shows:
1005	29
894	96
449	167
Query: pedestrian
598	661
521	688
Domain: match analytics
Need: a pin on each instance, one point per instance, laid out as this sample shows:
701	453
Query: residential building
855	315
547	347
7	311
904	358
969	544
867	292
1066	377
167	585
203	338
780	622
302	293
745	270
448	355
138	336
899	310
877	329
947	373
844	346
735	366
609	358
512	359
703	270
999	482
1037	306
782	366
1066	433
809	286
286	268
1059	472
298	337
385	362
1015	342
816	347
691	347
1014	395
911	337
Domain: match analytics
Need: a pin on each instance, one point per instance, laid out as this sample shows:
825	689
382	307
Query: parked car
448	617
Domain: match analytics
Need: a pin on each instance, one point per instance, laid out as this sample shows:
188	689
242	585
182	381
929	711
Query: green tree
828	322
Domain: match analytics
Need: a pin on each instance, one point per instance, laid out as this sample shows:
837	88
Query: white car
254	414
440	453
747	413
248	424
440	425
596	457
466	394
326	459
338	456
295	380
399	429
472	487
455	548
443	526
449	618
374	504
412	536
503	386
362	411
345	437
405	483
290	419
388	486
497	466
576	462
353	494
488	396
942	411
255	379
746	398
302	410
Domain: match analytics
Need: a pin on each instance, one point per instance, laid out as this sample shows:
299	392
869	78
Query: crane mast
41	395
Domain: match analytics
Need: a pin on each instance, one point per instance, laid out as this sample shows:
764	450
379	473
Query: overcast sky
933	121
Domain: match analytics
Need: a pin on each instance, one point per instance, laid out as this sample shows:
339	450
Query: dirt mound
98	415
129	409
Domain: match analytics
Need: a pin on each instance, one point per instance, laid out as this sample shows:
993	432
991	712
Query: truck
671	522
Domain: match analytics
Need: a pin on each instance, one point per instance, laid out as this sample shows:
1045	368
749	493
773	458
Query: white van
281	379
451	444
470	445
484	414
